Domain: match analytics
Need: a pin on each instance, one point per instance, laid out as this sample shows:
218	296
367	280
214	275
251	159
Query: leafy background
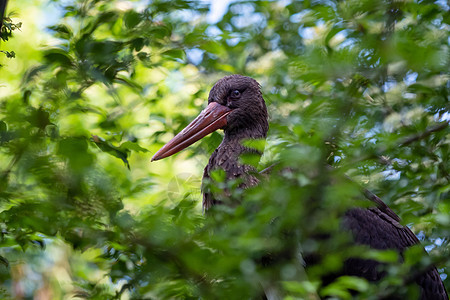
96	87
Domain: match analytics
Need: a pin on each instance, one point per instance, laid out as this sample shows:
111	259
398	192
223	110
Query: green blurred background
96	87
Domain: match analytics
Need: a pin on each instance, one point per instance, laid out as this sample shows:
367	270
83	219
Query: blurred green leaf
358	85
119	152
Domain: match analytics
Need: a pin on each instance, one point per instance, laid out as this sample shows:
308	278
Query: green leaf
138	43
256	144
132	146
301	288
121	153
175	54
76	151
3	127
132	19
343	285
39	118
58	56
62	31
333	31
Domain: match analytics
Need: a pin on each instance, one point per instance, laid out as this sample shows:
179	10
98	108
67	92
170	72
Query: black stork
236	105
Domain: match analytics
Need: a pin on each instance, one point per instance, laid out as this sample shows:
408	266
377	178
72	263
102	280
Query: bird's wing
376	228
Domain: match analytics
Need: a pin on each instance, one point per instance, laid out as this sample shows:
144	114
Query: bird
236	105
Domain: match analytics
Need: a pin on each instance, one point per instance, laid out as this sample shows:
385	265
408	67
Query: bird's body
236	105
375	228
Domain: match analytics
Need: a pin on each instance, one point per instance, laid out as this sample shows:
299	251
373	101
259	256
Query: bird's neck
234	144
237	136
227	157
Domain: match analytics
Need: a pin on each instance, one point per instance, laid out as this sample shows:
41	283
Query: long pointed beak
213	117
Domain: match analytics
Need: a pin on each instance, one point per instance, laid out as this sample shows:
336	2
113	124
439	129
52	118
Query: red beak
213	117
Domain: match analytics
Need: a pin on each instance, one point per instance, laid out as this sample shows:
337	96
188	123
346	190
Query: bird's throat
229	157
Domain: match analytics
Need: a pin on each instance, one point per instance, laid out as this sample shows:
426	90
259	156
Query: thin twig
424	134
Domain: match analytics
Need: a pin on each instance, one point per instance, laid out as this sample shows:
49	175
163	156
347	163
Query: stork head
235	104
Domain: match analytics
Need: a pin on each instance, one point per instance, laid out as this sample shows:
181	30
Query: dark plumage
236	105
2	11
248	120
375	228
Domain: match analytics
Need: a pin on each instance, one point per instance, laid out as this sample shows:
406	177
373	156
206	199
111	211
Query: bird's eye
235	94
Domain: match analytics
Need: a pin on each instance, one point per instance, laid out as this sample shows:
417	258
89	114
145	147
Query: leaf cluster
358	85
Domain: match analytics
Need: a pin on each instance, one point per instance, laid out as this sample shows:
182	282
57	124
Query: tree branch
2	11
424	134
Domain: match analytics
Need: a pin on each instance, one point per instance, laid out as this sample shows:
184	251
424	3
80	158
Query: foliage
359	85
6	29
